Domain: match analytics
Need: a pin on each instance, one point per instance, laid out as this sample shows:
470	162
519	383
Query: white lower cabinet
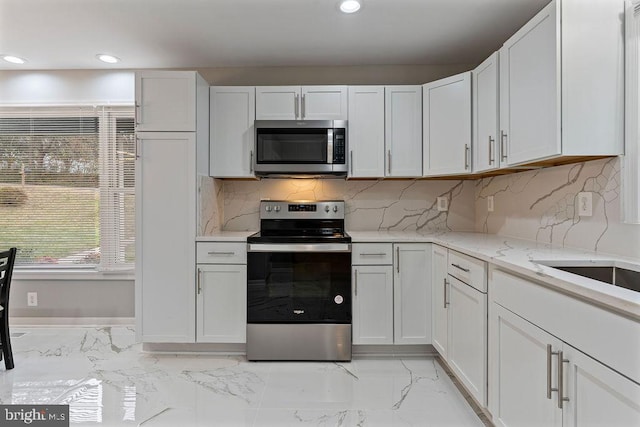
391	302
467	344
412	293
221	301
440	313
372	304
539	378
460	317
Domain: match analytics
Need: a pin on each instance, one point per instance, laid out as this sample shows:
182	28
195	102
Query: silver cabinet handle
398	259
251	161
221	253
136	115
137	153
356	281
446	303
549	389
466	156
198	285
295	106
561	362
351	160
389	161
491	141
466	270
303	107
373	254
503	146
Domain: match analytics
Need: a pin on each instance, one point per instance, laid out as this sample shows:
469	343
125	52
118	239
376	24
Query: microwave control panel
339	146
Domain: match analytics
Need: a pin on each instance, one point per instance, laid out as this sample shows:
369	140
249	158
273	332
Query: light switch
443	204
490	205
585	203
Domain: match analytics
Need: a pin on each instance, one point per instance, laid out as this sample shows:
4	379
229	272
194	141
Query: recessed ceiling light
13	59
109	59
350	6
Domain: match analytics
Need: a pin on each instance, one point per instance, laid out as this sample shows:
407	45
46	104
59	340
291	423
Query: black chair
7	260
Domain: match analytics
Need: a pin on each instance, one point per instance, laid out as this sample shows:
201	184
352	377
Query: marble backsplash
541	205
233	205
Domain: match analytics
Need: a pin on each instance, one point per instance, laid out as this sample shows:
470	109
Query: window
67	186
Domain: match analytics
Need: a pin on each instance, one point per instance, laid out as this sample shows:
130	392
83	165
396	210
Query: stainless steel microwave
300	148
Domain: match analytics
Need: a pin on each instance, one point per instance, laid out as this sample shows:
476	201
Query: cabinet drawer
221	253
469	270
372	254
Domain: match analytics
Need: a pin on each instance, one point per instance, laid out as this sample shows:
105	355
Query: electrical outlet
443	204
585	203
490	205
32	299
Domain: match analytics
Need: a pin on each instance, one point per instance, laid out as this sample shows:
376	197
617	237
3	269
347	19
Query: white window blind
67	186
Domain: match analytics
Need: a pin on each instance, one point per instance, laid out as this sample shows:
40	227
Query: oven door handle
299	247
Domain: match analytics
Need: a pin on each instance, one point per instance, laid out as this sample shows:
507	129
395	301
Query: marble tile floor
108	381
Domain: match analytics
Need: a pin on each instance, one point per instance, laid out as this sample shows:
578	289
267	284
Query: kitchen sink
604	271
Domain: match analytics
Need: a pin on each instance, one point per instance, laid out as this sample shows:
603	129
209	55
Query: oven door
299	283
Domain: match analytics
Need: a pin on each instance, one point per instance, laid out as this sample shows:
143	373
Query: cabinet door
412	293
222	303
372	304
232	132
598	396
277	102
520	377
366	131
324	103
447	125
439	330
468	337
485	115
530	90
165	101
165	236
403	131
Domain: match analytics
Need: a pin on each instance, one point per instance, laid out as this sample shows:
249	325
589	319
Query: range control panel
285	209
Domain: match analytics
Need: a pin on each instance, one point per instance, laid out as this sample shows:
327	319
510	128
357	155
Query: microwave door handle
329	146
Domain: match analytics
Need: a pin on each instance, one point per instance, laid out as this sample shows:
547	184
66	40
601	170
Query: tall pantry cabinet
172	128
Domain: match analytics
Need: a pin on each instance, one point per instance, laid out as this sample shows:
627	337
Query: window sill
71	274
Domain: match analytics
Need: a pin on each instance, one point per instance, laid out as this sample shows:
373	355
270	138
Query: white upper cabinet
301	103
403	131
366	132
561	83
485	147
447	125
231	135
166	101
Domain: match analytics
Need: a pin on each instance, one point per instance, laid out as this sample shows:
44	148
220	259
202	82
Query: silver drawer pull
466	270
374	254
221	253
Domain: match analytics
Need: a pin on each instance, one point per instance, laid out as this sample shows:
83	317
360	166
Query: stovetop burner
301	222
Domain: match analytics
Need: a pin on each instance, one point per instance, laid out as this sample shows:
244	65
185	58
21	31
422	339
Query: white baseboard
51	322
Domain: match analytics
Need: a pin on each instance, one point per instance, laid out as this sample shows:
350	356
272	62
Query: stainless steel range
299	283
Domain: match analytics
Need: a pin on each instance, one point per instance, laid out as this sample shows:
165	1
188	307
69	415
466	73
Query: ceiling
67	34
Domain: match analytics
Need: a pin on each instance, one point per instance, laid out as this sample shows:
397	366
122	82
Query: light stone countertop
226	236
519	256
515	255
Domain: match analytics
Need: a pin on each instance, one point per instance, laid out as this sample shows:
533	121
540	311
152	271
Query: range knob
276	208
326	208
267	208
335	208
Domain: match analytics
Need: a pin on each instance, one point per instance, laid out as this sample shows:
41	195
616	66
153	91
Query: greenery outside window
67	186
